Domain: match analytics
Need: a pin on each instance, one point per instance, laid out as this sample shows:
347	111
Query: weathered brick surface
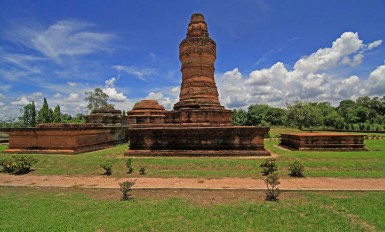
323	141
65	139
222	141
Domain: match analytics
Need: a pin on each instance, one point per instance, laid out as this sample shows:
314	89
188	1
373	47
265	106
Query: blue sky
268	52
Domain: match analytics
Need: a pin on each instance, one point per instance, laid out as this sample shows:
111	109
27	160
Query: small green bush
268	166
18	164
107	166
142	171
125	188
129	165
296	169
271	181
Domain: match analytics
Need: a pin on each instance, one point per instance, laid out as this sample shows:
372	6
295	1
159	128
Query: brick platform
64	138
323	141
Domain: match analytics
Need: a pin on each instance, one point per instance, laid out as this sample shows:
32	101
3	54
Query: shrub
268	166
107	166
125	188
142	171
271	181
18	164
129	165
296	169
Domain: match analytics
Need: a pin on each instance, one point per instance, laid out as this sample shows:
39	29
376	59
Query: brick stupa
198	125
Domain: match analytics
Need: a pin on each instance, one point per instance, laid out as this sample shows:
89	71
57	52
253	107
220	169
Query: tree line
363	114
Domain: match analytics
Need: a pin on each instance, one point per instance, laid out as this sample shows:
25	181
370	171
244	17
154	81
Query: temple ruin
198	124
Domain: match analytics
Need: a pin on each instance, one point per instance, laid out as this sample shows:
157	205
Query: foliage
239	117
56	116
18	164
28	115
107	166
125	188
272	181
45	115
296	169
129	165
268	166
303	114
142	171
96	99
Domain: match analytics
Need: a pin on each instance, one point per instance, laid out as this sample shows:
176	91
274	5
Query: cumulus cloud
310	78
111	91
376	82
21	101
72	97
114	96
166	101
57	95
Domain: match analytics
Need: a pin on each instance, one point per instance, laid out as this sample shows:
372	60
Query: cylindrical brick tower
198	99
197	53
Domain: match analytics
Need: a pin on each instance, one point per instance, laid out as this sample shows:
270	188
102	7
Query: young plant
271	181
107	166
125	188
296	169
129	165
142	171
268	166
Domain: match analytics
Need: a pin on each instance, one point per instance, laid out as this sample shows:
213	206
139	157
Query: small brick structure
323	141
64	138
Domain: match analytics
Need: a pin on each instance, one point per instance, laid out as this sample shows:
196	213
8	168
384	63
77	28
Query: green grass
366	164
55	210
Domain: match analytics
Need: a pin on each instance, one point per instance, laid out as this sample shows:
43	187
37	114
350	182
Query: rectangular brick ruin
323	141
64	138
197	141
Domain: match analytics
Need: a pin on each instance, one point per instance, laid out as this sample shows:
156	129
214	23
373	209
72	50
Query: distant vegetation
363	114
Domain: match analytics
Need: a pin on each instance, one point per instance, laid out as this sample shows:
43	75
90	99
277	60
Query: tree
33	115
44	113
28	117
239	117
56	115
96	99
303	114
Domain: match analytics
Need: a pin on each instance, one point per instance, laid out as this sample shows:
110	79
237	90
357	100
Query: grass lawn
366	164
55	209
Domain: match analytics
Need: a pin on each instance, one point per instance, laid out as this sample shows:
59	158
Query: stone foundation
64	139
323	141
197	141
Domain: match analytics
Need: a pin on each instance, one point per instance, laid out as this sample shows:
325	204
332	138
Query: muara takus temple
198	125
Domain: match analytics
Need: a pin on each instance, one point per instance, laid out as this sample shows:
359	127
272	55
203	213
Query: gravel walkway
317	184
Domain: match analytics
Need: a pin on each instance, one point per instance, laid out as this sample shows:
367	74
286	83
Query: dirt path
189	183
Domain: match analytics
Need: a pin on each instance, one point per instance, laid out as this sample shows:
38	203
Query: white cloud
57	95
72	97
310	79
111	82
376	81
114	96
72	84
165	101
142	74
63	38
374	44
21	102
